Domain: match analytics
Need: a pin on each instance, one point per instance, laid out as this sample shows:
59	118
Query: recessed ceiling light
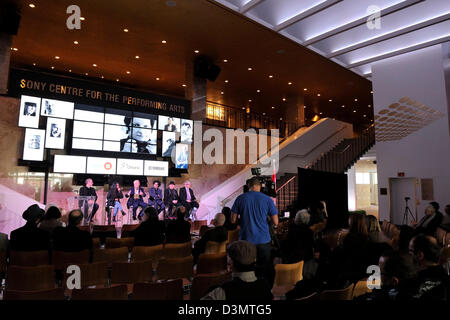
75	42
196	51
183	85
354	110
164	41
226	81
284	99
321	113
221	92
304	107
86	73
157	79
82	18
225	60
369	106
125	30
273	107
32	5
289	83
14	49
356	99
305	89
249	69
34	63
264	113
137	57
281	118
53	68
94	65
70	70
331	100
271	76
128	72
318	94
258	90
343	106
243	108
117	80
57	58
371	92
365	116
103	77
250	100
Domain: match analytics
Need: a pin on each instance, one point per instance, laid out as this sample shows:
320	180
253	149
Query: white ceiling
338	29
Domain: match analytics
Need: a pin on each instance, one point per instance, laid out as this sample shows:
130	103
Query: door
399	190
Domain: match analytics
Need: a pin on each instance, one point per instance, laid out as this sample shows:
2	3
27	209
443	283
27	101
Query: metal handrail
292	178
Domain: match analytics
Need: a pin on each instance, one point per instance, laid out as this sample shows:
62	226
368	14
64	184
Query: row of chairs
443	237
335	238
351	292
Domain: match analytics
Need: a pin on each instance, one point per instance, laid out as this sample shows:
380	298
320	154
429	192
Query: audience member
254	209
300	242
430	222
446	218
378	242
406	234
179	230
30	237
4	242
50	220
318	213
71	238
228	224
432	276
217	234
245	285
151	230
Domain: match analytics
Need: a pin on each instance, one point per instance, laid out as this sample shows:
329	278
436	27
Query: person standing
171	199
113	198
155	197
254	208
188	200
136	198
88	191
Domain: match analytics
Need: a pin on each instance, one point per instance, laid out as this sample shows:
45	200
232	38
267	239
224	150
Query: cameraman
254	207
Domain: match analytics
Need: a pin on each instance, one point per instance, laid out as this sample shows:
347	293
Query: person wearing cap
254	209
30	237
155	198
244	285
171	199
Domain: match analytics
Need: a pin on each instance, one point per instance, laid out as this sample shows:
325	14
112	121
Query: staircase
341	158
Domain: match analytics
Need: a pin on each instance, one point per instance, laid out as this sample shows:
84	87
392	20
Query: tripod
405	214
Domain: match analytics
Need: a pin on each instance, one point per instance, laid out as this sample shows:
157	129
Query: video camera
267	185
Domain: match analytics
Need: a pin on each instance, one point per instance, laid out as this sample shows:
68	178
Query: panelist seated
136	198
155	196
171	200
188	200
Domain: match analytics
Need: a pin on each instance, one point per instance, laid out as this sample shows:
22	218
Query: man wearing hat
171	200
245	285
155	198
30	237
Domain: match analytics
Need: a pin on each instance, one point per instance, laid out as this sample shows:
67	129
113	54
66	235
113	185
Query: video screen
33	147
87	144
57	109
140	136
187	131
55	133
168	143
169	124
29	112
182	156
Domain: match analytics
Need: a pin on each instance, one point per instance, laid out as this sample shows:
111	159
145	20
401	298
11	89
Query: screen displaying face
57	108
169	124
33	147
168	143
55	133
182	156
29	112
187	131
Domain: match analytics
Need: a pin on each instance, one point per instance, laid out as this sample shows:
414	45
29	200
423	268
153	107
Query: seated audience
50	221
433	278
430	222
378	242
71	238
151	230
30	237
406	234
374	230
398	279
4	242
318	213
446	218
245	285
179	230
226	211
218	234
300	242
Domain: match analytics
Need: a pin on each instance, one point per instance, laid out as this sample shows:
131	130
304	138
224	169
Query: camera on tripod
267	185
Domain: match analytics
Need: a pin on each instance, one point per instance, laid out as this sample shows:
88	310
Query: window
215	112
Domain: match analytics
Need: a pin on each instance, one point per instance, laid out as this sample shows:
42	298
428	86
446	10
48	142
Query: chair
111	255
62	259
169	290
445	256
103	232
131	272
360	288
313	297
141	253
85	228
29	258
210	263
202	283
342	294
440	235
113	293
30	278
196	225
202	231
52	294
233	235
175	268
288	274
92	274
2	263
127	230
177	250
215	247
96	243
122	242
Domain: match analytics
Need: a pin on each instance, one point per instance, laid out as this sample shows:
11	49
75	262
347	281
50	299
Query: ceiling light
157	79
364	116
57	58
318	94
183	85
330	100
284	99
164	41
354	111
369	106
86	73
356	99
273	107
53	68
271	76
70	70
128	72
225	60
289	83
264	113
226	81
82	18
75	42
117	80
304	107
320	113
137	57
343	106
249	69
221	92
15	49
34	63
103	77
196	51
258	90
125	30
250	100
94	65
243	108
281	118
32	5
371	92
305	89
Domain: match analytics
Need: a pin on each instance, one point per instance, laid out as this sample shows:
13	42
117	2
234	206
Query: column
5	54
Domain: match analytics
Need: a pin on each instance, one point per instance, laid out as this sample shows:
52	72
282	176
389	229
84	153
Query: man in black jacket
217	234
151	230
71	238
30	237
188	200
88	190
170	199
430	222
